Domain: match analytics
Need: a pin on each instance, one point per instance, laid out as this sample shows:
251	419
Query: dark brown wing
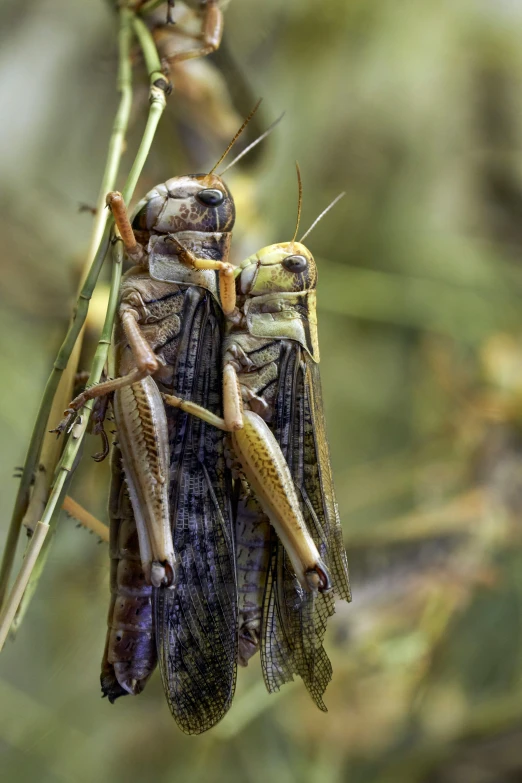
196	624
294	622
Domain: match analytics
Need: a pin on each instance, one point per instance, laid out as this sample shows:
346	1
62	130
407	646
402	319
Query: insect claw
162	575
66	423
170	9
101	455
318	578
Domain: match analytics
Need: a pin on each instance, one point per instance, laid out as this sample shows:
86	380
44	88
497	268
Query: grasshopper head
282	268
199	202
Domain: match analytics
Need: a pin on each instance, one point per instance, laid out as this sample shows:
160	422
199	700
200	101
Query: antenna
299	200
253	144
323	213
238	134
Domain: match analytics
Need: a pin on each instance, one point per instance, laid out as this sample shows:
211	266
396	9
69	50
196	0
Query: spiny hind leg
267	471
96	391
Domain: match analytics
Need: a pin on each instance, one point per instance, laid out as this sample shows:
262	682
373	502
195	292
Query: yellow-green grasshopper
273	409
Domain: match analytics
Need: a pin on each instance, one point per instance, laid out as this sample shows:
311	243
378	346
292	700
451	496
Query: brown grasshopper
273	409
171	521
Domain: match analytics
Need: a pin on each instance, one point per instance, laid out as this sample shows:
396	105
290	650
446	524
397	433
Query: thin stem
33	454
151	56
119	129
100	239
69	458
51	447
33	550
156	109
67	463
32	584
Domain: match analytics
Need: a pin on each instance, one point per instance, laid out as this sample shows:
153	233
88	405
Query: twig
97	251
158	87
33	550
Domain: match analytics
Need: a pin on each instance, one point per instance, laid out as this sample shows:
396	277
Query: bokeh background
415	110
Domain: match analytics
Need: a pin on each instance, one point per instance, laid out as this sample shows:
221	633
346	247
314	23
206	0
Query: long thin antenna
238	134
253	144
323	213
299	200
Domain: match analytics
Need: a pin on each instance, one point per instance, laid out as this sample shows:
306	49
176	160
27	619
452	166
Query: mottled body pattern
274	349
195	624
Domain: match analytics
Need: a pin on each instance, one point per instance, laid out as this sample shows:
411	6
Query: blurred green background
415	109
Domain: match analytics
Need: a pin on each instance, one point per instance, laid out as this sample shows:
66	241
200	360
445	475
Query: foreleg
227	286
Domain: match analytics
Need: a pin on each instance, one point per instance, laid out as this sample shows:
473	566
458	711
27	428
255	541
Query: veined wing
196	624
295	621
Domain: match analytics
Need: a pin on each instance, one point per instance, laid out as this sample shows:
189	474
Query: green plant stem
33	454
32	584
100	239
119	130
33	550
68	461
150	55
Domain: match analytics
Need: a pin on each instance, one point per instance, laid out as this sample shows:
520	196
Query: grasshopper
273	410
171	522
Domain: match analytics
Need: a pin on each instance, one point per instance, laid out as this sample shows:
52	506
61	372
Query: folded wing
294	622
196	624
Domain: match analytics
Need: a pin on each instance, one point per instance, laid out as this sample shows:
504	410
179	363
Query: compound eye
211	197
295	263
